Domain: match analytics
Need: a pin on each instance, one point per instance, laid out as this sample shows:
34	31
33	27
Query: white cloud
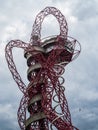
17	29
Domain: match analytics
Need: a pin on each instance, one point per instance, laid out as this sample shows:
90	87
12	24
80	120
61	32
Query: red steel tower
43	99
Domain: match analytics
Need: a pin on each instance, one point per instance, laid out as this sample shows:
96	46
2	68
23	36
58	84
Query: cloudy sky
81	76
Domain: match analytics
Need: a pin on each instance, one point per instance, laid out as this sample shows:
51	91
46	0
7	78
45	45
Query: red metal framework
44	97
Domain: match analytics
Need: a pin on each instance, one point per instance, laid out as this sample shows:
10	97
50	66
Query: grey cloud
84	115
6	124
87	125
8	117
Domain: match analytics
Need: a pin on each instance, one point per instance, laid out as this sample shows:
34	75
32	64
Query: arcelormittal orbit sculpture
43	99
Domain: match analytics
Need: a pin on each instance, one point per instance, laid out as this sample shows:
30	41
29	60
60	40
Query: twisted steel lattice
45	67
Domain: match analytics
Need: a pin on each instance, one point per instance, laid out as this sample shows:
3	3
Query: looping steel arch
39	19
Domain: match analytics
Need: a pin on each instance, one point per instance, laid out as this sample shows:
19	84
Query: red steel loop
11	64
36	32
